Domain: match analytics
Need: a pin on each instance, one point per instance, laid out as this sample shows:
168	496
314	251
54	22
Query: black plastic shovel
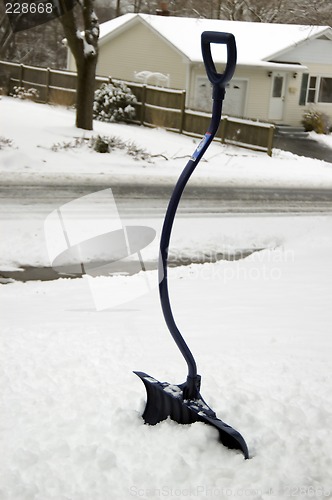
184	403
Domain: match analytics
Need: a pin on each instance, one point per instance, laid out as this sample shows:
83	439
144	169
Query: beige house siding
293	110
317	56
258	97
140	49
312	51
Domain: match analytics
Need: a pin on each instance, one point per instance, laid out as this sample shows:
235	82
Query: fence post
270	140
183	111
21	74
143	103
223	129
47	85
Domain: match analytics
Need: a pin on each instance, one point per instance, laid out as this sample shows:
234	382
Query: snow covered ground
323	138
259	327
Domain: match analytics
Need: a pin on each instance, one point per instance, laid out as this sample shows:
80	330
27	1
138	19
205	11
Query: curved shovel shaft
218	80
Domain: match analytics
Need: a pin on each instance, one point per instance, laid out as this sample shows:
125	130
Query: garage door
235	99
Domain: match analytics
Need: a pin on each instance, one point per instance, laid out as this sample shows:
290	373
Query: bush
22	93
100	144
114	102
5	143
105	144
316	121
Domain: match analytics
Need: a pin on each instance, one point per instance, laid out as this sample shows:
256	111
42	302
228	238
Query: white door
234	100
203	94
277	99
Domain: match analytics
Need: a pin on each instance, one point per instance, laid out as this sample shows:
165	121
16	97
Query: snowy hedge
23	93
114	102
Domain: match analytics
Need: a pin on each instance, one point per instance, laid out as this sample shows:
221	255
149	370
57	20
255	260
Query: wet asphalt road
150	201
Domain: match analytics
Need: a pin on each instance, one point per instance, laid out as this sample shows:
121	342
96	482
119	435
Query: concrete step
291	131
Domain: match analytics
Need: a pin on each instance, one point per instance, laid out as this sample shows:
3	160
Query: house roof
257	43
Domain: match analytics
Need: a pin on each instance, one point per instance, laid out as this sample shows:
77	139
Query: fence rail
156	107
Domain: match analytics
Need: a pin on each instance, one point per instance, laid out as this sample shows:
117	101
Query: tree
6	34
84	47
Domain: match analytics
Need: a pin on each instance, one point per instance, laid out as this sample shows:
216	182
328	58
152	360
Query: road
142	201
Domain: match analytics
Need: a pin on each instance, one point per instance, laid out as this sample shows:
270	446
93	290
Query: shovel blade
166	400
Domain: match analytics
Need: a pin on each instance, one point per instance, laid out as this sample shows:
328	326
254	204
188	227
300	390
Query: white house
282	69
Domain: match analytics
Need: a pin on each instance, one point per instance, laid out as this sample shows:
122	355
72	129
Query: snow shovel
184	403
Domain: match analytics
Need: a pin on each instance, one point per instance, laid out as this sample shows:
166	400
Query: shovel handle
218	80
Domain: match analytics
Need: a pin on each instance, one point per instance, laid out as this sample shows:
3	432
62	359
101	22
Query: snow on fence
156	107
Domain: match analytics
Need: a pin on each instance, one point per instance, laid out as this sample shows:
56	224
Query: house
281	69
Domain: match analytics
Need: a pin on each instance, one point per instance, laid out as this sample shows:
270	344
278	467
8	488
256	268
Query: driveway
304	147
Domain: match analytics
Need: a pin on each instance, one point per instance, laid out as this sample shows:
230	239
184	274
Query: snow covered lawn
35	128
259	328
323	138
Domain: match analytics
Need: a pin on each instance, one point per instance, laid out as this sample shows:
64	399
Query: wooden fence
156	107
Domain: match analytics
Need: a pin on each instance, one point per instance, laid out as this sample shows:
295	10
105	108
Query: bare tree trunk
86	70
118	10
5	40
6	34
84	47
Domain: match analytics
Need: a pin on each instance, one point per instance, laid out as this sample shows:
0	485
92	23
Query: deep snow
259	327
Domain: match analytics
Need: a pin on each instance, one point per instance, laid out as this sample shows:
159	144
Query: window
325	90
312	89
303	91
315	89
278	82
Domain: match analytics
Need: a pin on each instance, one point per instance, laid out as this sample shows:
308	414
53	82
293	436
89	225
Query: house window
312	89
303	91
277	86
317	88
325	90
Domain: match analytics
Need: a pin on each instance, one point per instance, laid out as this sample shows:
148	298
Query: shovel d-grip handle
219	81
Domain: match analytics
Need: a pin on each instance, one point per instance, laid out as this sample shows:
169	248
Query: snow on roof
256	42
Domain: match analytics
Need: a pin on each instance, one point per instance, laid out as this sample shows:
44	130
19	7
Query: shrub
100	144
114	102
317	121
22	93
105	144
5	143
74	144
